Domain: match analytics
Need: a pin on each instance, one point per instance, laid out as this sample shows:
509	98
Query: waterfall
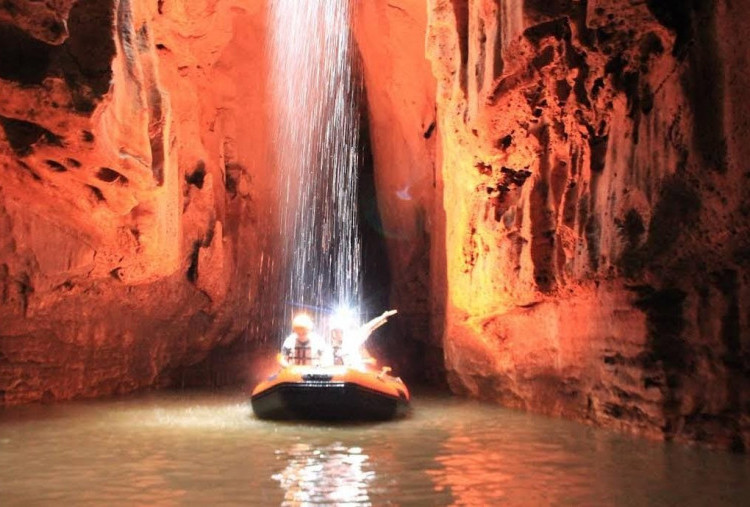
316	129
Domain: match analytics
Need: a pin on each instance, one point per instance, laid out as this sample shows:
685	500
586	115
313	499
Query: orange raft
330	393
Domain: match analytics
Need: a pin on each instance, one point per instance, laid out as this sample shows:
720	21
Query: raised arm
366	329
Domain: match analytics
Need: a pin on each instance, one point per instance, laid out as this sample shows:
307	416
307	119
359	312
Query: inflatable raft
330	393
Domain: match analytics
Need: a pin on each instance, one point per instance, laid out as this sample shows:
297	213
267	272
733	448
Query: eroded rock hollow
562	191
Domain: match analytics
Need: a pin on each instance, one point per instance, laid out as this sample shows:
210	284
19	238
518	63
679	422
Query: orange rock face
400	90
562	187
591	171
132	137
594	203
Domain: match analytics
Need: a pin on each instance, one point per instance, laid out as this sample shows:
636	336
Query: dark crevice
208	239
668	349
22	135
86	57
23	165
198	175
544	57
376	280
678	207
24	59
675	15
108	175
698	41
542	221
97	193
632	228
498	64
558	29
233	171
598	146
405	342
55	166
84	60
480	57
461	12
592	232
192	271
25	289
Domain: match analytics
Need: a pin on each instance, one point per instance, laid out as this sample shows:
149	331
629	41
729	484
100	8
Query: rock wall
560	184
594	238
133	211
596	206
400	102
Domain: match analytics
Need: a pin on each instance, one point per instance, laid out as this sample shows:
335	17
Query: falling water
316	135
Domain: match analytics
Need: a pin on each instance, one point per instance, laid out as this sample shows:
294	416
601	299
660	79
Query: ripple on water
169	449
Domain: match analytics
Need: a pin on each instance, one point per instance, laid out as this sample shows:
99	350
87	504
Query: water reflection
329	474
209	449
463	475
476	471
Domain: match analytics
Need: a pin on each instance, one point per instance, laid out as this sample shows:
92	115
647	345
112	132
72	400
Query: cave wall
560	184
592	259
596	205
400	101
133	207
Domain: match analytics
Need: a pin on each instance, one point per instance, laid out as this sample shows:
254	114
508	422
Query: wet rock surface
130	212
595	198
560	187
589	204
402	204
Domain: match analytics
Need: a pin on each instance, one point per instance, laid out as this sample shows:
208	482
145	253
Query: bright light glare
344	318
354	337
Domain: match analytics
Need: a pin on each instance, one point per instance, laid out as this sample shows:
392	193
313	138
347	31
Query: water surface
203	448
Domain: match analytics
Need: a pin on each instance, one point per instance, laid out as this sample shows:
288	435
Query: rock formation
132	149
561	186
400	91
596	205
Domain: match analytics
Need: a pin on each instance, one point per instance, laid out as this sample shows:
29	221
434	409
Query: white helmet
302	320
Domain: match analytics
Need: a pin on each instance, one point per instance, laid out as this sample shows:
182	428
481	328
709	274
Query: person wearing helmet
348	340
339	355
303	346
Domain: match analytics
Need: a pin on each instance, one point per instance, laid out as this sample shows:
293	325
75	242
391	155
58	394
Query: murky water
204	449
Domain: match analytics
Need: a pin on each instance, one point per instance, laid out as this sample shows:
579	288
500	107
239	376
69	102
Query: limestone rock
118	155
590	168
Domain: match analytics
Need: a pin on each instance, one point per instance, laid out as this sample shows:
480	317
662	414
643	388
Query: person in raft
348	344
303	346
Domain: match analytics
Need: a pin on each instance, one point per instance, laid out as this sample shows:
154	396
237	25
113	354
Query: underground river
178	448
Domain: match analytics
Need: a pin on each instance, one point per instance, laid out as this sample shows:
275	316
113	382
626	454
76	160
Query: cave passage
554	195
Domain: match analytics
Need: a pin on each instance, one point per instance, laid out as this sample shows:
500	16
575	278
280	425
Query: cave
553	195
